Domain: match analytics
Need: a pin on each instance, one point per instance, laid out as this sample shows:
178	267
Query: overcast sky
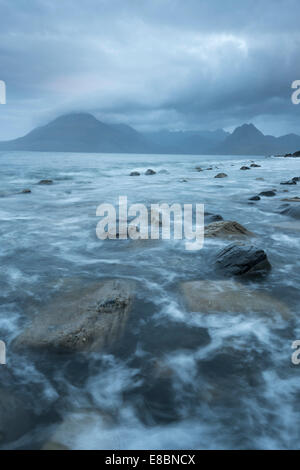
177	64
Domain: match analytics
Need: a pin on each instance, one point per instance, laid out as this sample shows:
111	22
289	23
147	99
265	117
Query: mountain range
82	132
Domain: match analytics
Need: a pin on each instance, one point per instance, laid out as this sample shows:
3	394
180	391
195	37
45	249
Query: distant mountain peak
247	130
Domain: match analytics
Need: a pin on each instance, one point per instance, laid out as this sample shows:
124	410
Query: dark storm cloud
155	63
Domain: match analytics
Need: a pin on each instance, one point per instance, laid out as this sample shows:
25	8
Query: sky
152	64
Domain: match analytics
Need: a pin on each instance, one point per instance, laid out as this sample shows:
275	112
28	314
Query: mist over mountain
82	132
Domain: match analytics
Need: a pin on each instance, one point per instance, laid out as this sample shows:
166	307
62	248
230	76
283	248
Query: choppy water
177	379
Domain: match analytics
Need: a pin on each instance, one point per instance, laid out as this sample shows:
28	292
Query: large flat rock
229	297
87	319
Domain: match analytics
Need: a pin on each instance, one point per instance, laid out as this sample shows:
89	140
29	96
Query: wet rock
210	168
244	168
221	175
292	199
209	217
45	182
198	168
26	191
254	198
88	319
292	211
289	182
229	296
267	193
239	259
134	173
296	178
183	180
150	172
226	228
255	165
15	419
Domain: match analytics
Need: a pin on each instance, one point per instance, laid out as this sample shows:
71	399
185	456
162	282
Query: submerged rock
150	172
26	191
255	165
221	175
87	319
254	198
293	181
45	182
292	211
229	297
134	173
292	199
226	228
244	168
15	419
267	193
239	259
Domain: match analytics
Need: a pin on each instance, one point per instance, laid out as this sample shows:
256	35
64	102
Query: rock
134	173
239	259
296	154
150	172
292	211
296	178
45	182
267	193
80	422
183	180
244	168
210	168
15	419
226	228
25	191
88	319
212	217
198	168
229	297
221	175
254	198
289	182
291	199
254	165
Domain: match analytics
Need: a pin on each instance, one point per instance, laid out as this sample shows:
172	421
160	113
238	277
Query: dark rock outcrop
150	172
267	193
221	175
239	259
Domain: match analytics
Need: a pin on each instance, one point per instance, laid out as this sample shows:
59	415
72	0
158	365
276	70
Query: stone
45	182
289	182
88	319
15	419
134	173
221	175
229	296
255	165
254	198
244	168
267	193
240	259
150	172
226	228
